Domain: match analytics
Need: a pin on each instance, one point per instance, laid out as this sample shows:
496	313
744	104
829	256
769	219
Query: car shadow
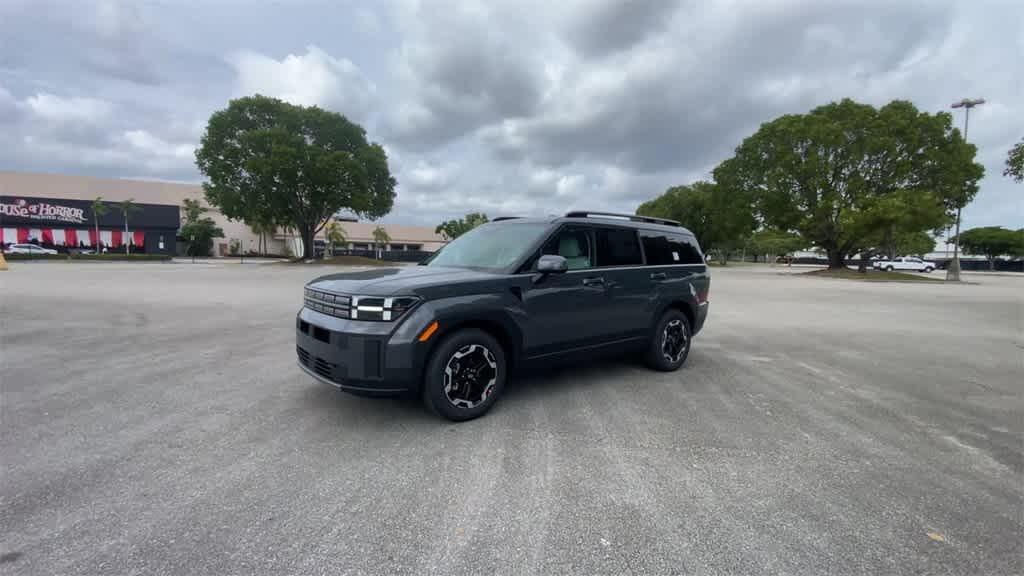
528	384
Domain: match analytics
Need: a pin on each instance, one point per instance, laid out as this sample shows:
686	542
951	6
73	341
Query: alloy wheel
470	376
674	341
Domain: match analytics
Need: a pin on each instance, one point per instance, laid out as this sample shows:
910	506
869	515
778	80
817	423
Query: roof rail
631	217
500	218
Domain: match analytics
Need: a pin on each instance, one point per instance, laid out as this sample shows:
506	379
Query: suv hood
397	280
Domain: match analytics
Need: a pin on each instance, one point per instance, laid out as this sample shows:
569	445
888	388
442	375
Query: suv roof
625	220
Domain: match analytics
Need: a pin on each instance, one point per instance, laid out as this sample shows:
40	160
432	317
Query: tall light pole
953	271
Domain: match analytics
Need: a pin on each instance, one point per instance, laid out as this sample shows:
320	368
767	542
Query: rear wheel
465	375
889	268
928	269
670	342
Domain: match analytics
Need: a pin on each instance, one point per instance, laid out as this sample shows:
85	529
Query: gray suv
511	293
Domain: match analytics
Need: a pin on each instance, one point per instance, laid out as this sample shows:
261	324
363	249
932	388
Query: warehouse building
55	211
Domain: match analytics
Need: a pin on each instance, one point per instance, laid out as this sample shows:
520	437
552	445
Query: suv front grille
337	305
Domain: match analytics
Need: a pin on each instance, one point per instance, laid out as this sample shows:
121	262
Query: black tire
669	359
889	268
471	396
928	270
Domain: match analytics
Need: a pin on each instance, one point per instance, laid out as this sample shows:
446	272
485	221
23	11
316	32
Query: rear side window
666	249
617	247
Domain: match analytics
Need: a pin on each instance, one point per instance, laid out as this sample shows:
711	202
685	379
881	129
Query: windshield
491	246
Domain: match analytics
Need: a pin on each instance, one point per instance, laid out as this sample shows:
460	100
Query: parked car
511	293
904	263
28	249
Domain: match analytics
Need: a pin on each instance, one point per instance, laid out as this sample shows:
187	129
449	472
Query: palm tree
335	234
99	208
126	207
380	238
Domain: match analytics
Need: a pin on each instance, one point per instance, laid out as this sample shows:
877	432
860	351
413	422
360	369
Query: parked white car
904	263
28	249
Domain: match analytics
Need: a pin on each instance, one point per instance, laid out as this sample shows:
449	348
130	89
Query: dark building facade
69	225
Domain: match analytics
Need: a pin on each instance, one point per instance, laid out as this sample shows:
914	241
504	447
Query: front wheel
670	342
928	270
465	375
889	268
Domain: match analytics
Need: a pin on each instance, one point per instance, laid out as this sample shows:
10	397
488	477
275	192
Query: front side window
617	247
491	246
573	244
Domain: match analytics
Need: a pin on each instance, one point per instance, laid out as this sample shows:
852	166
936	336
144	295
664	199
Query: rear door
674	263
628	284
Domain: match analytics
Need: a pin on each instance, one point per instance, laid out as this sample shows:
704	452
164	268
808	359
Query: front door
567	310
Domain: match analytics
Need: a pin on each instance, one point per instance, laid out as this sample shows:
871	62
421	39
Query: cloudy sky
504	106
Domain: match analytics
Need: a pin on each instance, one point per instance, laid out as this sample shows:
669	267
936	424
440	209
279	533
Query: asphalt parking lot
154	421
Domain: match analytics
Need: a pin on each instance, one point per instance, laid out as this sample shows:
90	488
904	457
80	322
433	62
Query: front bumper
361	357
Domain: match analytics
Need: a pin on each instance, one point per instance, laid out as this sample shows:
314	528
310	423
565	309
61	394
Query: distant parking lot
154	421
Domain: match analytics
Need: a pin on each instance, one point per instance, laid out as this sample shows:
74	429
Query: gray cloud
504	106
614	25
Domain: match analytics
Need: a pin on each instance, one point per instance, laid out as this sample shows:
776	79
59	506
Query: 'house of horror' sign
42	210
73	213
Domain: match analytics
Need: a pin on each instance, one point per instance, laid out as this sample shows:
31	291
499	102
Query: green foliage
1015	162
128	207
721	219
271	162
380	236
234	247
846	171
193	210
198	230
452	229
993	241
335	234
99	207
772	242
912	243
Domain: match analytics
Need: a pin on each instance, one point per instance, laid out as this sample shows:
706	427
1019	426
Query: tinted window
662	249
617	247
573	244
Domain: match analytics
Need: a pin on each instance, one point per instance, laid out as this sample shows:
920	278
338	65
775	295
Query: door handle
595	281
659	276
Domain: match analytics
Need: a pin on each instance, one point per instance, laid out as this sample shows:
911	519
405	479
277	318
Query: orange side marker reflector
429	331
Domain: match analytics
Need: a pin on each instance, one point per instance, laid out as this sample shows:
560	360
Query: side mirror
552	264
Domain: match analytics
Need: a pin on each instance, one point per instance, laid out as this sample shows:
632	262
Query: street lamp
953	271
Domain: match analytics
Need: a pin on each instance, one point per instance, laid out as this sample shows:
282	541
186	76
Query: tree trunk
862	265
835	259
991	264
308	249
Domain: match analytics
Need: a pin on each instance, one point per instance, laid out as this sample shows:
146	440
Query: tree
772	243
1015	162
902	220
197	229
128	207
452	229
272	162
99	208
913	243
261	230
720	219
380	238
335	234
992	241
843	172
